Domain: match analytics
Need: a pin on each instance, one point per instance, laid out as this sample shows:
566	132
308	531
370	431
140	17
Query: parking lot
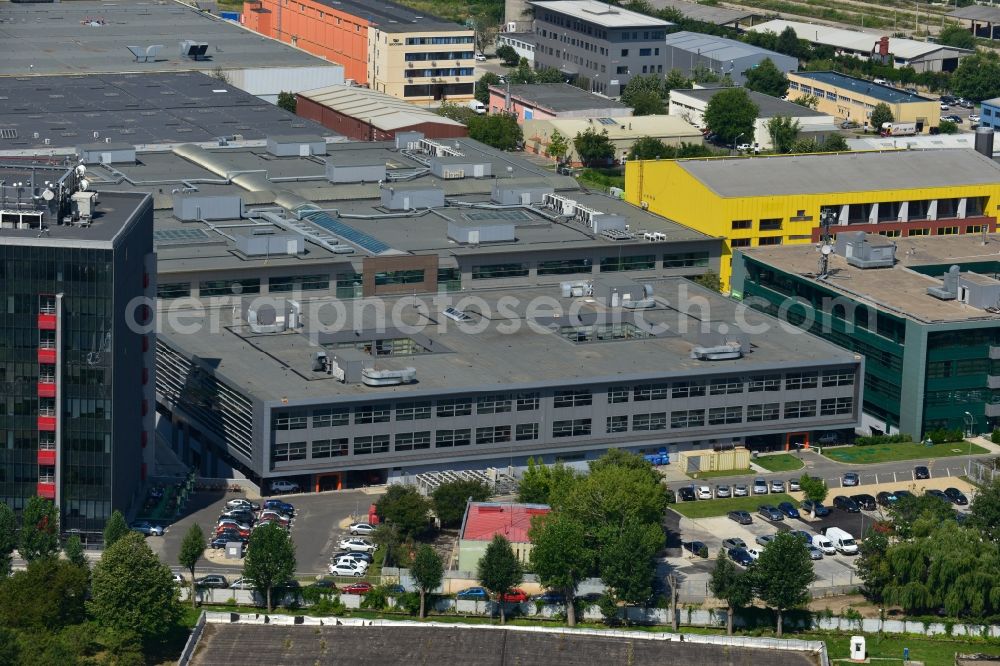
315	529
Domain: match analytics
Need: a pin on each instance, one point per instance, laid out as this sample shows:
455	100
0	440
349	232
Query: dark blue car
550	597
788	509
474	594
740	556
278	505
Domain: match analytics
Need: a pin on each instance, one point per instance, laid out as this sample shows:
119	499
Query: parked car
326	585
515	596
723	491
741	490
921	472
704	492
350	561
945	107
934	492
355	543
901	494
947	99
147	528
686	494
886	498
733	542
788	509
824	544
966	104
741	517
850	479
474	594
696	547
243	503
754	553
802	534
275	517
357	588
220	542
828	438
973	118
354	554
212	580
344	568
777	486
480	57
177	578
814	552
865	501
768	512
242	584
226	523
590	597
764	539
740	556
395	589
283	486
229	529
759	487
845	503
550	597
811	507
279	505
956	496
793	485
361	528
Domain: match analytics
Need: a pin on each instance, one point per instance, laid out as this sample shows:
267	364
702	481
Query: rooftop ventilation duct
948	291
723	352
373	377
864	250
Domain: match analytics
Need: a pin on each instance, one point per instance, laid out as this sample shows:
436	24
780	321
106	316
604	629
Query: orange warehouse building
389	48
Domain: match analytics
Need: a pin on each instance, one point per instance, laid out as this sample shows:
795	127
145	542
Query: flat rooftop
391	17
88	37
842	172
484	520
901	288
52	112
600	13
769	106
228	644
508	343
113	214
376	108
627	128
557	97
704	13
855	40
977	13
886	94
714	47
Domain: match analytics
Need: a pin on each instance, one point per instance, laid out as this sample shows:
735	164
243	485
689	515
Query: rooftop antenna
826	216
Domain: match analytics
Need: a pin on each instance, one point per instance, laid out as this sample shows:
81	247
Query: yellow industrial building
854	99
777	200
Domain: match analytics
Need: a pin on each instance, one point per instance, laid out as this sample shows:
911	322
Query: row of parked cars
241	516
356	552
760	486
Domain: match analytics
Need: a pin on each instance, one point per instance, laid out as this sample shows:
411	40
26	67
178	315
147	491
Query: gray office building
599	42
693	51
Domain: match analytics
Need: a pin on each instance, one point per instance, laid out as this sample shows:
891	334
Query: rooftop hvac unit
724	352
563	205
373	377
437	149
194	50
654	236
586	215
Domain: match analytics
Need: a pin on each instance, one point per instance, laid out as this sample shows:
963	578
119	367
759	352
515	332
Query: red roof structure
484	520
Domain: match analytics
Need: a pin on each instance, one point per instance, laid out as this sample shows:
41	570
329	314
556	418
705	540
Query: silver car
723	491
759	487
740	490
777	486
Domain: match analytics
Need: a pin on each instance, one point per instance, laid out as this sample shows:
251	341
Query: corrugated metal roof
378	109
717	48
977	13
906	49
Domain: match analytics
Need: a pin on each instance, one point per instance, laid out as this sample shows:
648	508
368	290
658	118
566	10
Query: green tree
731	585
133	591
766	78
8	538
873	565
626	558
482	88
192	549
918	515
648	104
39	529
74	552
881	114
784	130
835	143
641	85
523	73
648	148
957	36
405	508
782	575
731	114
593	148
508	56
391	541
115	528
709	280
10	650
552	75
558	146
499	130
545	484
561	556
449	499
675	80
978	76
947	127
611	496
428	572
270	559
984	512
457	112
499	570
808	101
288	101
788	43
814	489
48	595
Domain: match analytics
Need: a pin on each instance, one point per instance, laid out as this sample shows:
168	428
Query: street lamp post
736	141
969	427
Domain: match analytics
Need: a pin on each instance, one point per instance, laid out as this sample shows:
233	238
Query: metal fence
697	591
983	472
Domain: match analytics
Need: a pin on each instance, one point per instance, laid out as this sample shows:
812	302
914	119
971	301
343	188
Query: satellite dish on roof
48	195
84	184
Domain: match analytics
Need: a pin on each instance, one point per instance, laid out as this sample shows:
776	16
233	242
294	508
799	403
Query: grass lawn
720	507
861	455
781	462
717	473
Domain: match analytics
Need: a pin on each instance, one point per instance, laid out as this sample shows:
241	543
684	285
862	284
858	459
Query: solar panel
346	232
179	236
607	121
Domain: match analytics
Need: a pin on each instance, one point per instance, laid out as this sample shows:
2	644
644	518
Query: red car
516	596
357	588
223	528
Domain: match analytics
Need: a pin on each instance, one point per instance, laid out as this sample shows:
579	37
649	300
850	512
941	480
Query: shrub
942	436
995	436
703	552
409	602
874	440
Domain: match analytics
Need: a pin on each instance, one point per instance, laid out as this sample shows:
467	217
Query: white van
842	541
823	544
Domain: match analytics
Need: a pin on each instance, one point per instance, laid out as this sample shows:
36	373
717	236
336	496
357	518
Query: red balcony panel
47	322
47	457
46	390
47	423
47	490
47	356
144	438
